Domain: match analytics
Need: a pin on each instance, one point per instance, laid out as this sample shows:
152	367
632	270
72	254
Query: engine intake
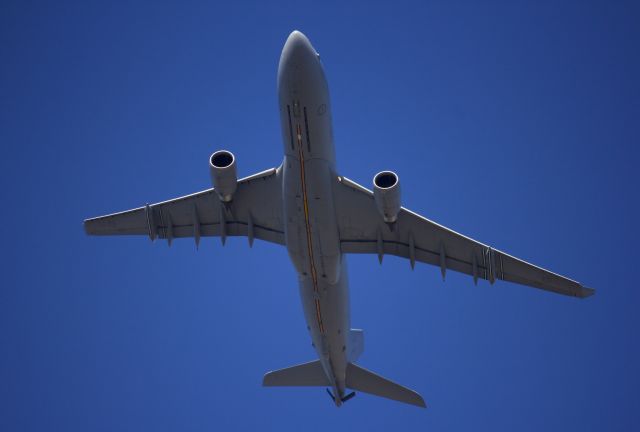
386	191
222	166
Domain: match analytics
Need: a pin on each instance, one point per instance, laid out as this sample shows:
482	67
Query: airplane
321	217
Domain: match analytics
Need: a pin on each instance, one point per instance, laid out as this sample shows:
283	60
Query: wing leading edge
362	230
255	212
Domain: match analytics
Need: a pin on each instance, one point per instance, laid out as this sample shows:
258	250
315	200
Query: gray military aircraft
320	217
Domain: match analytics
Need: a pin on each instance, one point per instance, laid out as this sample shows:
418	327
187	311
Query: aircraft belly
311	229
313	245
331	339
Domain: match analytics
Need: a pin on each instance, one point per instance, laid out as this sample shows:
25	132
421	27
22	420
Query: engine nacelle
222	166
386	191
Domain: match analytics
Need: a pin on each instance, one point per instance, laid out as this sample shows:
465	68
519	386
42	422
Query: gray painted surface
320	216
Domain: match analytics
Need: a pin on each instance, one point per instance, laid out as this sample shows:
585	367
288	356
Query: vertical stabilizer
356	344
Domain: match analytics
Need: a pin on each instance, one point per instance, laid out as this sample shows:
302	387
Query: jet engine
386	191
222	166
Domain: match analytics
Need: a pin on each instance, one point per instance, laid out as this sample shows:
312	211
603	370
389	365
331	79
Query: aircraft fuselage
311	228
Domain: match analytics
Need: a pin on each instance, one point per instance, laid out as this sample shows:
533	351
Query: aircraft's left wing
362	230
255	212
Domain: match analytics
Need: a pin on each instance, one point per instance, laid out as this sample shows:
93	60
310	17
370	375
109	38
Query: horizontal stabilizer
368	382
305	375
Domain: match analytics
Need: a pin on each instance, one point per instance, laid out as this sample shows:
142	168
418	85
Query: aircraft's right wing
255	212
362	230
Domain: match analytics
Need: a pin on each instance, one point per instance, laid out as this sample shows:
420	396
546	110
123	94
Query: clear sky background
516	123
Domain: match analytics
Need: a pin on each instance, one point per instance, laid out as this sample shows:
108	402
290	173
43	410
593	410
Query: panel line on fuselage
314	274
290	127
306	128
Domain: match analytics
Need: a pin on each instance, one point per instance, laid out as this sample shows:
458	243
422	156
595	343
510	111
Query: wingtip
422	403
89	226
267	380
85	227
586	292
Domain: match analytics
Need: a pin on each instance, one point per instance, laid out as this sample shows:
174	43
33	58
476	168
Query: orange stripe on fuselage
314	274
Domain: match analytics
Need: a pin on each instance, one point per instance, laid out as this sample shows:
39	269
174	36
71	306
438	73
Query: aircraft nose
296	35
300	67
298	48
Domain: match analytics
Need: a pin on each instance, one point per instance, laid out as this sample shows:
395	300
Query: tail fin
365	381
356	344
307	374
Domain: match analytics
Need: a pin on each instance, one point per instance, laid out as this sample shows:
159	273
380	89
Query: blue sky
515	123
